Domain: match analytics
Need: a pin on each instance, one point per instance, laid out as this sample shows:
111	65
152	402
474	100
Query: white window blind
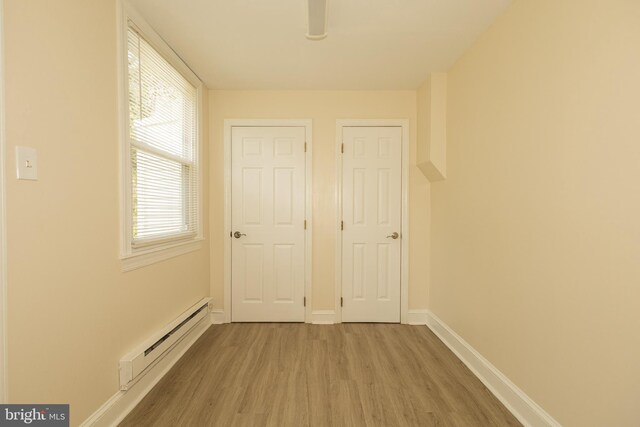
163	138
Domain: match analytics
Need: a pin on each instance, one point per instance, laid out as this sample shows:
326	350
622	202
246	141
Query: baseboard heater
134	364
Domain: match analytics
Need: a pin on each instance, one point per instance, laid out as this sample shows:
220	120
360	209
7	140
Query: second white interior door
371	213
268	223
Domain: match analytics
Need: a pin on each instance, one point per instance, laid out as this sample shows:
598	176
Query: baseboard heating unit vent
135	363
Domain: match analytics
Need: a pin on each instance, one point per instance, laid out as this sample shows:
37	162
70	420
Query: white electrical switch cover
27	163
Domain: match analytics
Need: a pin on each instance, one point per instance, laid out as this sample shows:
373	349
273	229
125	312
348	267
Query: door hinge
342	149
305	147
341	225
341	302
305	224
304	301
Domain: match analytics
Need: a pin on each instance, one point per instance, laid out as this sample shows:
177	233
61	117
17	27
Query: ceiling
372	44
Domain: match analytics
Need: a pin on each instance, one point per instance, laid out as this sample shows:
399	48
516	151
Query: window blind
163	138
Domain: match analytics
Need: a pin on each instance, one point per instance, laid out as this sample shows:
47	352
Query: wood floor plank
251	374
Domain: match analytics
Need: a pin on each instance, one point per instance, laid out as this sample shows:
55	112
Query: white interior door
267	219
371	213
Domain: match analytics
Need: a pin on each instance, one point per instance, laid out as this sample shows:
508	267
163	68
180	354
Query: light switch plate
27	163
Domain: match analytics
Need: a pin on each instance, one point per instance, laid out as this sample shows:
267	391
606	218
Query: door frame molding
307	124
404	251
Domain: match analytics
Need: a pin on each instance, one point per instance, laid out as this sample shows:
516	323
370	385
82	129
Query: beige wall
536	231
72	312
324	107
432	127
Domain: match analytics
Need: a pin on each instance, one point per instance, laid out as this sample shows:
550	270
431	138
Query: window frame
132	255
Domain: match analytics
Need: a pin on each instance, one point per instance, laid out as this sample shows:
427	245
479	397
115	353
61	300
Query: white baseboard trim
323	317
120	404
528	412
218	317
417	317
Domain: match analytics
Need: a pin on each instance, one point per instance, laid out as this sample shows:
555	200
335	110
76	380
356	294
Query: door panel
371	211
267	209
252	280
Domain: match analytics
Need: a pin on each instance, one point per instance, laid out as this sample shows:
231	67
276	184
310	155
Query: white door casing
371	216
268	214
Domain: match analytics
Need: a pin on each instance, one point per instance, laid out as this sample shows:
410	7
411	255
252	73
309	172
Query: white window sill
157	254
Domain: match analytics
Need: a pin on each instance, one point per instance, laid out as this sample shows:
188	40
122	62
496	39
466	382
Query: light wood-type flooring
283	374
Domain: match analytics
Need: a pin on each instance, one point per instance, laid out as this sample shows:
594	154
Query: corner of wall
432	127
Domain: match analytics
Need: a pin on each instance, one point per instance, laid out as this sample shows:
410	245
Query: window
161	162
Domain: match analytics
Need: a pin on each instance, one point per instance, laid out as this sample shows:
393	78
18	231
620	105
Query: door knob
394	235
238	234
